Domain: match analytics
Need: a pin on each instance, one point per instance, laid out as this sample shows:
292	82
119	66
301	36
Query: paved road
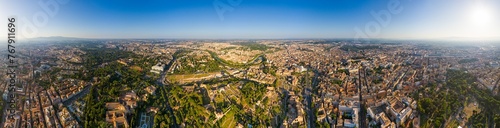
311	118
41	109
80	94
161	80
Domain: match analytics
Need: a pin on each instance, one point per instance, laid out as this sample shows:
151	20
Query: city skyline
243	19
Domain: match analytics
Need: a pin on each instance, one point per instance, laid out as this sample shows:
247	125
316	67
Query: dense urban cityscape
250	64
255	83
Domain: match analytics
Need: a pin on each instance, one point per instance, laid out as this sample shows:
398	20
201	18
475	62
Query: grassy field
470	108
136	68
189	77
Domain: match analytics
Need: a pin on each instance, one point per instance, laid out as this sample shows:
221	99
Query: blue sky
419	19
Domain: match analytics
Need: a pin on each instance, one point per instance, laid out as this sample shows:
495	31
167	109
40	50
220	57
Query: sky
254	19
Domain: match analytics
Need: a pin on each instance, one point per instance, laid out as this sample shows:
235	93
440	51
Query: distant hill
54	38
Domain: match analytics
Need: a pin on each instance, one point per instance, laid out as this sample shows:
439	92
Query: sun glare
480	15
